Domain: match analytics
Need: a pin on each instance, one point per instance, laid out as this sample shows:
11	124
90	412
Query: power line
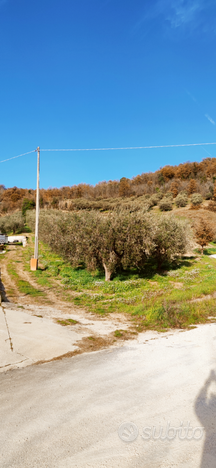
113	149
131	147
19	156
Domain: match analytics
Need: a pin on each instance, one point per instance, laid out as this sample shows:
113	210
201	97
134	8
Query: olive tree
118	239
171	239
196	199
122	239
165	204
181	200
14	223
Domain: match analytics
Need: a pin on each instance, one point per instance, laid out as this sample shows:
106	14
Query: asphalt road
67	413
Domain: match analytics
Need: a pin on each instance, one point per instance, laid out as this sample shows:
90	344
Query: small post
34	261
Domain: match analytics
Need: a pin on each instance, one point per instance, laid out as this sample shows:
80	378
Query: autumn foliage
204	233
188	177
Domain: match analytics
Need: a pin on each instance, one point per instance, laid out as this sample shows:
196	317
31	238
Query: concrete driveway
31	333
68	413
25	339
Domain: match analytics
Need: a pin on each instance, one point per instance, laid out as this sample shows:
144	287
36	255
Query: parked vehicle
3	239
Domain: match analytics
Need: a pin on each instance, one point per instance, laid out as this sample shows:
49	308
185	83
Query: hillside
188	177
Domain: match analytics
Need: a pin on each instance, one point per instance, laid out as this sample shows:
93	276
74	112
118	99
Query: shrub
159	194
169	195
181	200
14	223
211	206
183	193
27	205
155	199
196	199
165	204
208	196
55	202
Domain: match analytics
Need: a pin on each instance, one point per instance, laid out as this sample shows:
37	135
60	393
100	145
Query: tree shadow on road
205	408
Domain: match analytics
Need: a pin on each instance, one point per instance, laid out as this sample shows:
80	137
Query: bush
211	206
208	196
159	194
169	195
183	193
165	204
196	199
181	200
13	223
154	200
27	205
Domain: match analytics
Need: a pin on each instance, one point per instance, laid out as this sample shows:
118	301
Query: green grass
67	322
119	333
24	286
150	299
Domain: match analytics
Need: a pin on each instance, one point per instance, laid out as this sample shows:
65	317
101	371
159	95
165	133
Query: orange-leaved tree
174	189
192	186
204	233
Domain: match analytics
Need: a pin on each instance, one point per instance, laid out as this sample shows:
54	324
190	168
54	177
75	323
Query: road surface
68	413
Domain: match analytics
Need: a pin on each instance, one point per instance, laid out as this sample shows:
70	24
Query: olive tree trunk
107	272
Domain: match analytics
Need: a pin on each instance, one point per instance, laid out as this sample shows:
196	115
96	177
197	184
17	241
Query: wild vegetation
177	296
188	178
170	296
133	232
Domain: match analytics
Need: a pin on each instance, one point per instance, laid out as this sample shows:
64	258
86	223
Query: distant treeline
188	177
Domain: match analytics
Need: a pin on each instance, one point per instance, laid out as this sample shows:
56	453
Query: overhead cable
113	149
130	147
19	156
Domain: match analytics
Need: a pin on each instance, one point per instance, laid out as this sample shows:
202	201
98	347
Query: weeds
66	322
24	286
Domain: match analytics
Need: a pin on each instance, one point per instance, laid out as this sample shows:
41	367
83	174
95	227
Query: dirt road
46	327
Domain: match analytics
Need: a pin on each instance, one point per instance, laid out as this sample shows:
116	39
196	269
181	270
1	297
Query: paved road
67	413
25	339
29	333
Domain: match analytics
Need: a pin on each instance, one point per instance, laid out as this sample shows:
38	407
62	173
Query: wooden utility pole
34	261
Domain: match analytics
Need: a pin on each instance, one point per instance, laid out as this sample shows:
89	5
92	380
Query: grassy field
151	300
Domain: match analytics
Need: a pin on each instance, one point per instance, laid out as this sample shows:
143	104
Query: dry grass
197	215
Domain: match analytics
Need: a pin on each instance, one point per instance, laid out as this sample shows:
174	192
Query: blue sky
104	73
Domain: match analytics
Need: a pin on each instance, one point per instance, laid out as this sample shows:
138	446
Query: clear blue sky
104	73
